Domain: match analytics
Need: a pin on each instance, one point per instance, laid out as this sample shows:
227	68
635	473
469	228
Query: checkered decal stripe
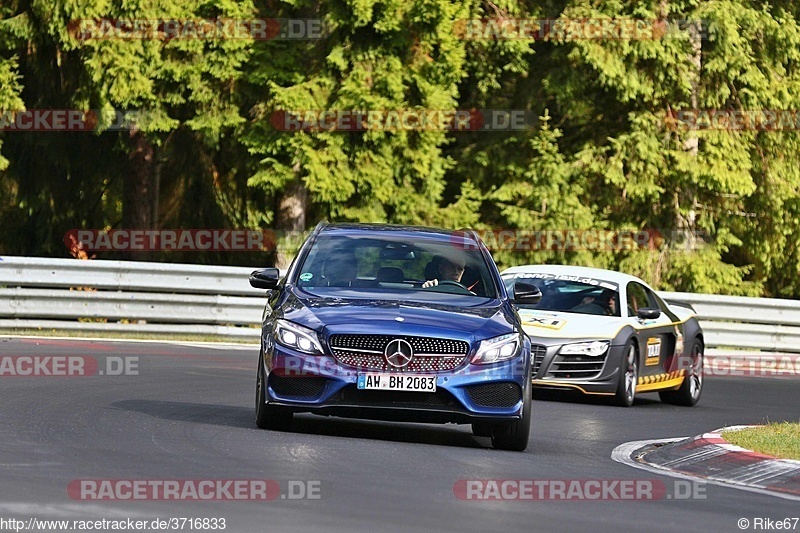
658	378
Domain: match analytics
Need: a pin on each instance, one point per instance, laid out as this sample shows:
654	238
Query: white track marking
623	452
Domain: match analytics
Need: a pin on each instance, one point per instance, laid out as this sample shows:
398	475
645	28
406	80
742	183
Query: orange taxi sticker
653	351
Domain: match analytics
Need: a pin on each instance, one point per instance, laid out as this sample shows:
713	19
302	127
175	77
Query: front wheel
689	392
268	416
628	376
481	429
515	436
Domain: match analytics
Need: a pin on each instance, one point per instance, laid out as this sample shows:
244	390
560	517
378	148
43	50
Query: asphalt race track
185	412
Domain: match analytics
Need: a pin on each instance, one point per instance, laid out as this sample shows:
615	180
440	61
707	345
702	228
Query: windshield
572	294
392	263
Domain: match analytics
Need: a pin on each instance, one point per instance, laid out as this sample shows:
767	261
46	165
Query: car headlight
297	337
592	349
497	349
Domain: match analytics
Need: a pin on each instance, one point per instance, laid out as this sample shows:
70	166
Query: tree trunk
686	224
157	163
290	220
137	204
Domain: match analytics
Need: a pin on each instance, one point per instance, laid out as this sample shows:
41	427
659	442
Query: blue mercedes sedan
397	323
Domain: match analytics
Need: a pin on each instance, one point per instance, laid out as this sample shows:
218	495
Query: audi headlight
297	337
592	349
497	349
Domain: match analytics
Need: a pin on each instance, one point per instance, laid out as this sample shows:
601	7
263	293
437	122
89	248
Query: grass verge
780	439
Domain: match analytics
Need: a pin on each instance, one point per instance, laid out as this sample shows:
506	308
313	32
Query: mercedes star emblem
398	353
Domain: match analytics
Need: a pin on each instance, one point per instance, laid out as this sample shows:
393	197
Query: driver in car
606	302
450	269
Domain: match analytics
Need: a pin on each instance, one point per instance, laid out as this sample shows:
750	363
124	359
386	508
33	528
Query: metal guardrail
126	276
117	296
768	324
127	296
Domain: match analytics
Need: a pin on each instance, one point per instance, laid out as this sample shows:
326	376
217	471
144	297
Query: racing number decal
550	323
653	351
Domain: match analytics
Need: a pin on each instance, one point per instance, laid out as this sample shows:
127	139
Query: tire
269	417
540	394
544	394
628	376
692	387
515	436
481	429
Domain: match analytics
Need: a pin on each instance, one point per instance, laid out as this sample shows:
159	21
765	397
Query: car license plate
398	382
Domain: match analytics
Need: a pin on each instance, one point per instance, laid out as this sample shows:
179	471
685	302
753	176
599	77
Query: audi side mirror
648	313
525	293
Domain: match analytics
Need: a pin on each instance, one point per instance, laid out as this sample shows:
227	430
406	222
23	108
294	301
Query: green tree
375	55
179	94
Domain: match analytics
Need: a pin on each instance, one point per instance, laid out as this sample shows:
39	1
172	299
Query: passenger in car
390	274
340	268
608	301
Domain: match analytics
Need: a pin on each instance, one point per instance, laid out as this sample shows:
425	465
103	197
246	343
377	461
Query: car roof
398	231
598	273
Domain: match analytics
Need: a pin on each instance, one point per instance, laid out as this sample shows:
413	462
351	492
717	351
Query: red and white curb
712	459
715	438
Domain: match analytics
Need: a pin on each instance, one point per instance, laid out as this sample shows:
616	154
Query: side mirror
525	293
266	278
648	313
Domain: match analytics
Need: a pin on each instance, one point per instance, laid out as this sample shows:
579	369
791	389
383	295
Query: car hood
560	325
392	313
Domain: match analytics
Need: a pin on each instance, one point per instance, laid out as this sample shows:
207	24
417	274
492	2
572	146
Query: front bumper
320	385
555	371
